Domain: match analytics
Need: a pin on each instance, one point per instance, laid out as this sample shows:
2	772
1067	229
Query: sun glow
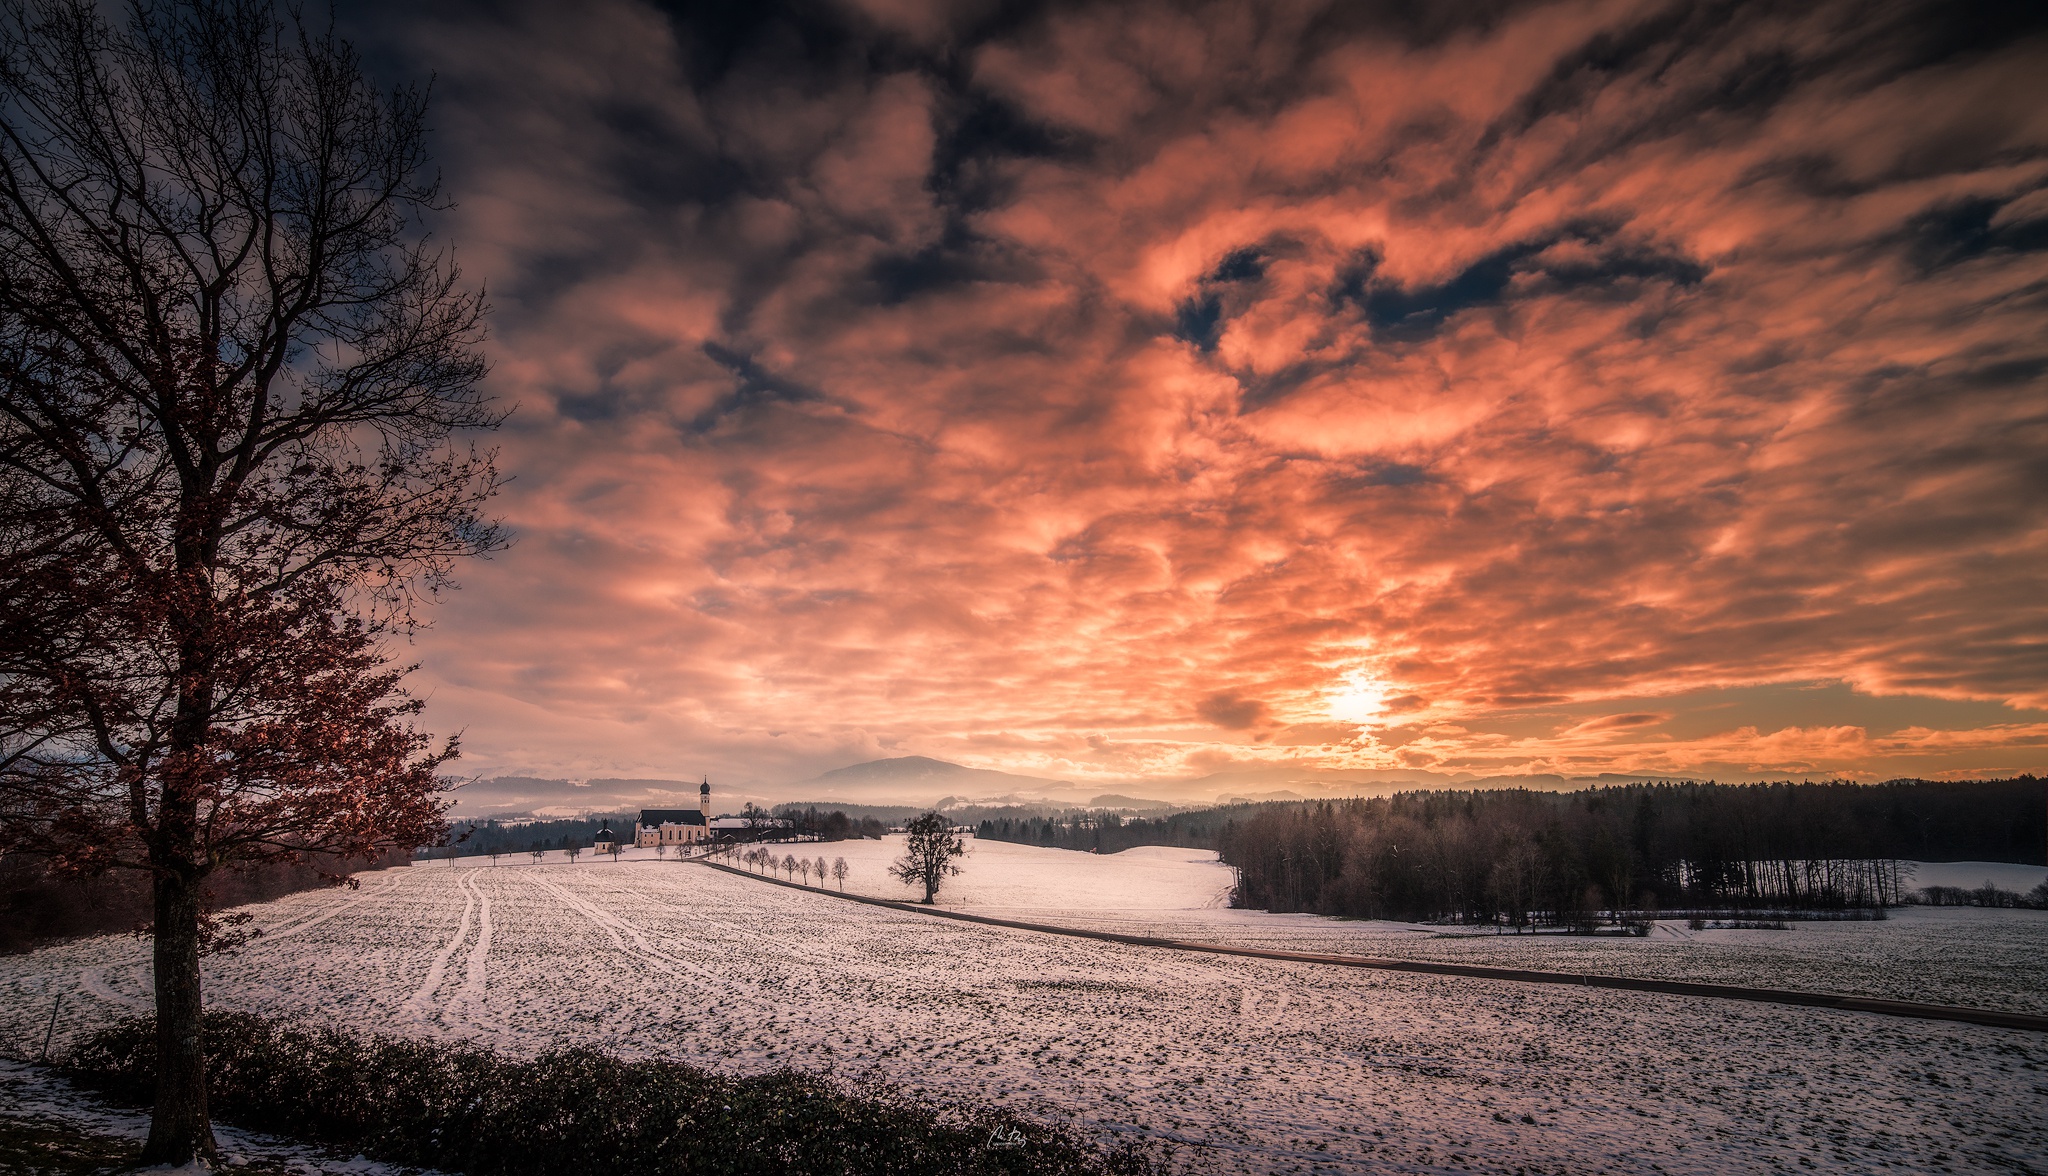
1361	699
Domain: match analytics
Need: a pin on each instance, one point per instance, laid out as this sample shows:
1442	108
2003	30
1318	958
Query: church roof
654	818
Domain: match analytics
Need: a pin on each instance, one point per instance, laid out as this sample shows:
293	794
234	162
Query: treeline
1522	857
483	838
811	821
1102	831
490	837
1986	895
867	815
37	906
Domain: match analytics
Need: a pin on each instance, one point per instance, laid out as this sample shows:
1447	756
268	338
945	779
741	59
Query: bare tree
494	855
661	850
789	864
537	853
572	850
928	855
821	868
231	371
839	872
804	865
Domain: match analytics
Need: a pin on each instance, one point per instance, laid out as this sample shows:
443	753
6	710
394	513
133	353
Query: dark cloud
1966	229
1233	712
1608	267
990	380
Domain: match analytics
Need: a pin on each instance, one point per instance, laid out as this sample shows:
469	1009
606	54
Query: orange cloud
1091	392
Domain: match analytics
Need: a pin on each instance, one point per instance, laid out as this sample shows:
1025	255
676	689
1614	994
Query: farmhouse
676	826
756	825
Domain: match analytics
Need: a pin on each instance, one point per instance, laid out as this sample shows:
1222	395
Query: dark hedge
462	1108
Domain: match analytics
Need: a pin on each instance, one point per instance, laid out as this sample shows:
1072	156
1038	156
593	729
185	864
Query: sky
1135	391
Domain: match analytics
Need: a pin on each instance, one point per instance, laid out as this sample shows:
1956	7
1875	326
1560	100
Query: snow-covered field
1965	956
1251	1065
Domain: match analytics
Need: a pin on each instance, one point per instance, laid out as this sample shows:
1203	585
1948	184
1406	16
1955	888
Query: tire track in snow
417	1002
346	904
468	1001
1272	1019
619	931
94	981
1248	1002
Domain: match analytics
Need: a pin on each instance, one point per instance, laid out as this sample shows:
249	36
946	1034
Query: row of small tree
762	859
929	852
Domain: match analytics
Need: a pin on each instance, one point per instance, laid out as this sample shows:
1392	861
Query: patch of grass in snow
462	1108
36	1147
1076	985
29	1148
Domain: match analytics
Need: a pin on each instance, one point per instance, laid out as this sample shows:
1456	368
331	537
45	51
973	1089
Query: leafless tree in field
928	855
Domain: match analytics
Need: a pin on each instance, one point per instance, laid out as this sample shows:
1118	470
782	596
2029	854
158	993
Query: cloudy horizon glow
1112	392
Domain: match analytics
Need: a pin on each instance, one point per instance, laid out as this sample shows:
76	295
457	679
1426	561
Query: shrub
462	1108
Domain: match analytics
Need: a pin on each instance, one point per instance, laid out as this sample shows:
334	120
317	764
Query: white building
676	826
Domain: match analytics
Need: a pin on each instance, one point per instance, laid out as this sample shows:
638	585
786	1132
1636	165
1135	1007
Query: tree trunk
179	1129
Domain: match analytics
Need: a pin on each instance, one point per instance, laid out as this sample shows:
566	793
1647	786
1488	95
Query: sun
1361	699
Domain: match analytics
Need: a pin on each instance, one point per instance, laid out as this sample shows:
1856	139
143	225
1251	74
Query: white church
676	826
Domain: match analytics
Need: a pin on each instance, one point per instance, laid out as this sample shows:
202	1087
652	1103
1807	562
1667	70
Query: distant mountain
1289	782
1112	800
548	799
921	780
916	782
1283	783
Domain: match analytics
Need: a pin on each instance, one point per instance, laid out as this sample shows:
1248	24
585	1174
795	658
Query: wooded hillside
1523	856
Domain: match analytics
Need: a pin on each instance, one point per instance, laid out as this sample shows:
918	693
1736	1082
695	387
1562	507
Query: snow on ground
1251	1065
1982	958
34	1097
1002	876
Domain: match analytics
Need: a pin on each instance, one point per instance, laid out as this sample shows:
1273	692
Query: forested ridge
1108	832
1523	857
